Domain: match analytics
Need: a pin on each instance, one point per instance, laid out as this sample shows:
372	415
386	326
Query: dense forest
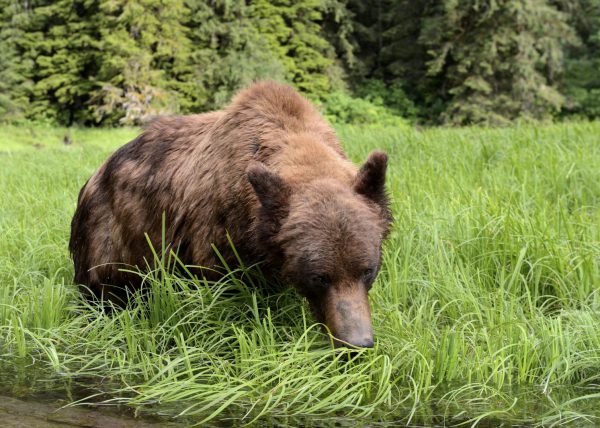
111	62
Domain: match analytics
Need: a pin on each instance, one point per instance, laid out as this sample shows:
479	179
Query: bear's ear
370	181
273	193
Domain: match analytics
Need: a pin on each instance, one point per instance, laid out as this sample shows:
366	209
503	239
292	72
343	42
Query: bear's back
266	113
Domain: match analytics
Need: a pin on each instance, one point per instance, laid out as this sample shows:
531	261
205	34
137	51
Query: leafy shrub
582	82
390	95
343	108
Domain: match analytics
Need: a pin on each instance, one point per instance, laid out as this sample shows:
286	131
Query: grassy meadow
486	311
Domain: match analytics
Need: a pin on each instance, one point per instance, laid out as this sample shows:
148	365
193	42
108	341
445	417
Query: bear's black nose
367	343
354	344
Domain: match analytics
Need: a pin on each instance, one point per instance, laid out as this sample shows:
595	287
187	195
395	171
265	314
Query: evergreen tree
392	66
13	99
54	42
229	52
236	43
475	61
386	33
144	62
293	29
498	59
582	75
338	28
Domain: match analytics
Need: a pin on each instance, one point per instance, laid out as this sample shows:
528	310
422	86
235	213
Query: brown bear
267	170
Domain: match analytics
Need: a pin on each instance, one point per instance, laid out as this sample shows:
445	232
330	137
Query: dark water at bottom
45	413
32	397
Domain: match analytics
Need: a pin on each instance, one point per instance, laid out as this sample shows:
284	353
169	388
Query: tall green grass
487	309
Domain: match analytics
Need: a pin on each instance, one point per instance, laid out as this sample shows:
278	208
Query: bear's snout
348	316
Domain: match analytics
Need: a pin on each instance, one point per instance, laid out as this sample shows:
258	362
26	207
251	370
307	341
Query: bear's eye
367	276
321	281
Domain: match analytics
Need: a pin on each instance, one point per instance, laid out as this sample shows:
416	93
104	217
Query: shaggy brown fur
269	171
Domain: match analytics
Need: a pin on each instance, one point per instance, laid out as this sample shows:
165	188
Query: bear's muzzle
348	315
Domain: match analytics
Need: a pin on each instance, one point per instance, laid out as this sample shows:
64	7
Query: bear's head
327	238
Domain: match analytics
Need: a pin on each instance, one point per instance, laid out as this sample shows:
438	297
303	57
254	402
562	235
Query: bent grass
486	310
